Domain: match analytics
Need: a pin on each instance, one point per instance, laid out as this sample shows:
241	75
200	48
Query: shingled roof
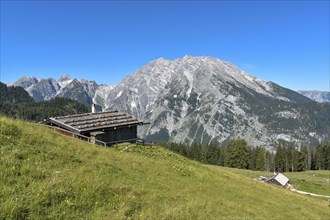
87	122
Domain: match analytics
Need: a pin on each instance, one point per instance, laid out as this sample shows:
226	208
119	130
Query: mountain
26	82
83	91
77	91
319	96
205	99
45	89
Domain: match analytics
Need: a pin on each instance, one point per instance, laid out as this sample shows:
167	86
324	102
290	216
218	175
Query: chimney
93	108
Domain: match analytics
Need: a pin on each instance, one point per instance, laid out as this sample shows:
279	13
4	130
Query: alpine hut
109	126
278	179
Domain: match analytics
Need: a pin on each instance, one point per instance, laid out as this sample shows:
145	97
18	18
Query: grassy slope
44	174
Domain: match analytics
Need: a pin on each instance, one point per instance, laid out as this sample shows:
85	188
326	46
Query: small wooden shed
108	126
278	179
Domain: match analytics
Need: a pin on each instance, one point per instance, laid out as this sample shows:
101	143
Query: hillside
313	181
46	175
13	94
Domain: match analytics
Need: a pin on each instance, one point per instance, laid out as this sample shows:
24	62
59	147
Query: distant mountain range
82	90
200	99
319	96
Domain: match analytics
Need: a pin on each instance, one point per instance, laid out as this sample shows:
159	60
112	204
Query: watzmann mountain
200	99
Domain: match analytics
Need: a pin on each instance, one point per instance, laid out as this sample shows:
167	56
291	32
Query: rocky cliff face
205	99
26	82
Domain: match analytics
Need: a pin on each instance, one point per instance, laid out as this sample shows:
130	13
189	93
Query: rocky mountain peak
26	82
65	77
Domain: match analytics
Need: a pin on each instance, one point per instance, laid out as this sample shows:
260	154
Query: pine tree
237	154
280	159
326	150
260	158
304	161
319	157
323	156
195	152
209	154
269	161
214	153
313	158
221	156
252	158
292	158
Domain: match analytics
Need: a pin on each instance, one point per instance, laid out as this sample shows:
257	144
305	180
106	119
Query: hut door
115	135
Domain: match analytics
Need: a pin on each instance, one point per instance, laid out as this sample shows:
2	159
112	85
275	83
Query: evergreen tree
280	159
304	161
178	148
221	156
269	161
319	157
252	158
213	153
292	157
182	149
195	152
237	154
322	156
313	159
260	158
326	150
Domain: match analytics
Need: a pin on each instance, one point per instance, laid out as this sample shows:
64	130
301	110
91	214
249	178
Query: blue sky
286	42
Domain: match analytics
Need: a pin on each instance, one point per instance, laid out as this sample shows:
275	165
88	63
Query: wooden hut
108	126
278	179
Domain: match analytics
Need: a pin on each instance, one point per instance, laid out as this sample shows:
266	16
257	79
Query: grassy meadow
45	175
313	181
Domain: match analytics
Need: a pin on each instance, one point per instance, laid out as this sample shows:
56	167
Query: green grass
313	181
44	174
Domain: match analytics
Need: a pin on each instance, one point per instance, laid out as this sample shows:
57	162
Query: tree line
287	157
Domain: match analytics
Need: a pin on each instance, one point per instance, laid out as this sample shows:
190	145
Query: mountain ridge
81	90
316	95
